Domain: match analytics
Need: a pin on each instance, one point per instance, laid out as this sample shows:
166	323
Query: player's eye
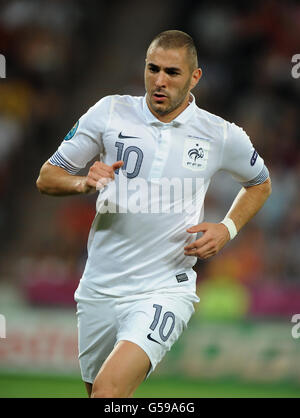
172	72
153	69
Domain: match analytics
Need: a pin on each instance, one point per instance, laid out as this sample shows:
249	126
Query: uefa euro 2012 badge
72	132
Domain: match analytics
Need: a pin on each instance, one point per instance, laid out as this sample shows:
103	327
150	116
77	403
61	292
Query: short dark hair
177	39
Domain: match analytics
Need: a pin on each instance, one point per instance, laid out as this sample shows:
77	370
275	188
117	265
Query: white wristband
230	226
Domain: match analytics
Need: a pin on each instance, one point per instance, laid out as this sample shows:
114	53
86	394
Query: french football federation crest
195	154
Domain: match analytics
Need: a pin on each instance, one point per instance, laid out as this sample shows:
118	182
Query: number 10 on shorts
164	330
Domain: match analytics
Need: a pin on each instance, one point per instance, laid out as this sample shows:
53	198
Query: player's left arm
243	162
215	235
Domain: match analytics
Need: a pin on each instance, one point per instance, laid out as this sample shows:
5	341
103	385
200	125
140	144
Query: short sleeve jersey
136	242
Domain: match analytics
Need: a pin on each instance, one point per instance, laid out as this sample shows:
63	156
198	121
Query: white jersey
138	251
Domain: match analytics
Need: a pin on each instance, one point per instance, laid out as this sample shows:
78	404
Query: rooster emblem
196	153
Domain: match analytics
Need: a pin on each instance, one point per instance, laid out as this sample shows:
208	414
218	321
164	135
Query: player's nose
160	80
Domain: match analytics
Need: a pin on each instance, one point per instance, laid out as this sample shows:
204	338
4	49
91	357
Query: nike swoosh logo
152	339
125	136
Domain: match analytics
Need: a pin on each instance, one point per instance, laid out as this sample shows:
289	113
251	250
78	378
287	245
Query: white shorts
153	321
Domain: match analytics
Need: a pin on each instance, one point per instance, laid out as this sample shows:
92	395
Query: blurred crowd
37	39
245	51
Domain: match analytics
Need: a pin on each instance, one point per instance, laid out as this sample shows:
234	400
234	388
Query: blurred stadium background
61	57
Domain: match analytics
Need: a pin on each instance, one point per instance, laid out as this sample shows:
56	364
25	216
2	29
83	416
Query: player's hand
99	175
214	237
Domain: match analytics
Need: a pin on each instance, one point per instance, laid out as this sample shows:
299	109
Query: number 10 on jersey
130	153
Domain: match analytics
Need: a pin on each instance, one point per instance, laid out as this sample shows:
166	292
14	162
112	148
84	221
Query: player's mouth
159	97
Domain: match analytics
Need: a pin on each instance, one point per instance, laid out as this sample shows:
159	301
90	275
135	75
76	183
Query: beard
174	103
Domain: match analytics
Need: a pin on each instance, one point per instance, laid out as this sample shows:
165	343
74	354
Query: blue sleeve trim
58	160
263	175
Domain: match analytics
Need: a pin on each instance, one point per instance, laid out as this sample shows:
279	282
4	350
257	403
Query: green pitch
30	386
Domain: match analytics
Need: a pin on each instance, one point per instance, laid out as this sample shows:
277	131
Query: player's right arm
59	175
56	181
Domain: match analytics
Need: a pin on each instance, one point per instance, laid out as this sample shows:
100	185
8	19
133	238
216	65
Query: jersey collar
182	118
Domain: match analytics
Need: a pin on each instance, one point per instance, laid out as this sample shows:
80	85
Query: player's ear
196	75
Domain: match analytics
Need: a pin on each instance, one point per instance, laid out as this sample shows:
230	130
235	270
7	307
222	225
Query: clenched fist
99	175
